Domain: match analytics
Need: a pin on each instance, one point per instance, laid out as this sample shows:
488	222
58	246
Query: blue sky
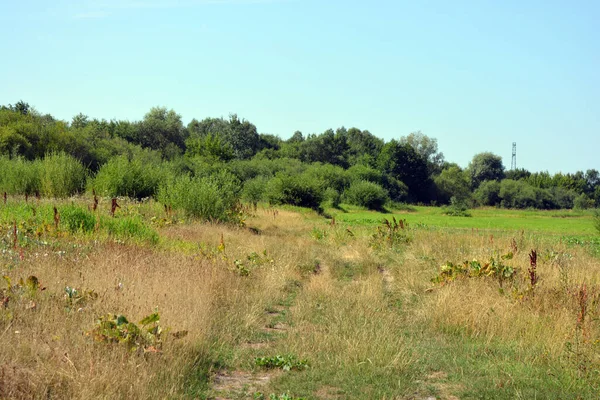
476	75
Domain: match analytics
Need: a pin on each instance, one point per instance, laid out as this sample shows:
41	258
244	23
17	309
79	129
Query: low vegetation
151	303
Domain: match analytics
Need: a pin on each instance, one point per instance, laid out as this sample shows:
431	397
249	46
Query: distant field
558	222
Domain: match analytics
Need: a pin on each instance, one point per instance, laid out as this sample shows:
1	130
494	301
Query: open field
292	306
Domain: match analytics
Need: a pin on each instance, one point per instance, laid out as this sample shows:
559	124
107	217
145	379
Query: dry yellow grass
351	315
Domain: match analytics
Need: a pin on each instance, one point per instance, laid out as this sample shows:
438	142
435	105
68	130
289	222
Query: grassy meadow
289	304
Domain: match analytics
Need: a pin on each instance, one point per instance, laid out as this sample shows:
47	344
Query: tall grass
19	176
134	178
57	175
211	198
61	175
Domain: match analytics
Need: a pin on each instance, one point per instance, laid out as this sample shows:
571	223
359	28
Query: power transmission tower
513	164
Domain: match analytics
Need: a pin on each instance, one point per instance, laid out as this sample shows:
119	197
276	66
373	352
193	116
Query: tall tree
485	167
402	162
427	147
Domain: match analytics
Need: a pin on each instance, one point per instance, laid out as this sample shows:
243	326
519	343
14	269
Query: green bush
597	219
583	202
211	198
365	173
61	175
332	176
19	176
300	190
254	189
134	178
366	194
77	219
487	194
333	197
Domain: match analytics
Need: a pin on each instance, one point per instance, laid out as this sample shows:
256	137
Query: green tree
161	127
485	167
453	182
402	162
426	147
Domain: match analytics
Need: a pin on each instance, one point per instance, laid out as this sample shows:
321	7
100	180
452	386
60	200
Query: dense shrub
397	190
19	176
365	173
366	194
300	190
518	194
560	198
330	175
254	189
487	194
211	198
333	197
61	175
121	176
583	202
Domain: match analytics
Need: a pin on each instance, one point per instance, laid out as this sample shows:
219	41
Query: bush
61	175
331	176
583	202
488	193
77	219
254	190
361	172
597	219
457	208
298	190
132	178
517	194
19	176
333	197
366	194
211	198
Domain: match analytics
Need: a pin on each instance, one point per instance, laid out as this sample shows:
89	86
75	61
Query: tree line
153	156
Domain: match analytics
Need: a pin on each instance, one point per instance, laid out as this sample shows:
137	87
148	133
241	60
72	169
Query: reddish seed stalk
533	276
114	206
56	218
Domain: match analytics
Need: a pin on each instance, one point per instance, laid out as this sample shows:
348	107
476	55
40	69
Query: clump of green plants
300	190
19	176
457	208
146	335
366	194
77	219
28	287
494	268
214	198
253	260
286	362
254	189
61	175
132	177
77	299
391	234
130	227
